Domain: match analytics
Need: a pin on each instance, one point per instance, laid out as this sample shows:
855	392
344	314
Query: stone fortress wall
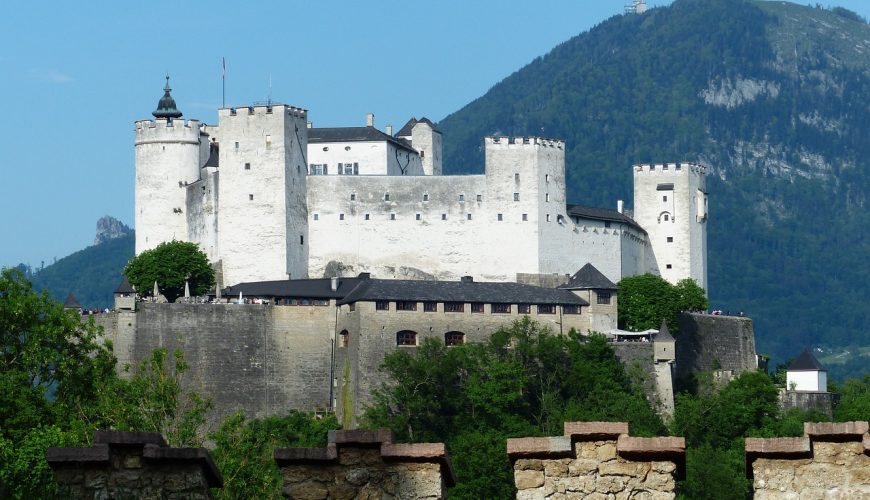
710	342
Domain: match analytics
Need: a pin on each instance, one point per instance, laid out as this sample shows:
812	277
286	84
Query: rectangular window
382	305
516	176
546	309
524	308
454	307
670	239
500	218
251	197
669	266
516	196
316	216
344	338
247	166
237	145
368	216
418	216
501	308
547	197
406	305
469	216
318	169
356	168
571	309
352	196
430	307
454	339
480	197
603	298
268	141
607	223
392	216
546	177
348	169
461	197
426	197
664	198
525	216
386	196
443	216
301	239
406	338
477	307
548	217
340	216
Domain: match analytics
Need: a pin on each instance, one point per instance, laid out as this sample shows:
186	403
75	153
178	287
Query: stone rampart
596	459
365	464
832	460
133	465
822	402
711	342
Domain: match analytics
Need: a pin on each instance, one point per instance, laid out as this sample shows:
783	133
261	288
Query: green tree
854	400
170	264
645	300
244	450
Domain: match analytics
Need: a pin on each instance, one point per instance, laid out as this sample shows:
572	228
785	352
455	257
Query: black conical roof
807	362
664	334
71	302
589	278
166	107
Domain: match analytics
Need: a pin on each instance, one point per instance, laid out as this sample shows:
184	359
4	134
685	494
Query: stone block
623	468
529	464
360	436
778	446
527	479
651	446
836	430
538	446
581	466
556	468
586	431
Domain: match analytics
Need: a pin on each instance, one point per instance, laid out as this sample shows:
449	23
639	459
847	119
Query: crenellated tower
169	154
670	203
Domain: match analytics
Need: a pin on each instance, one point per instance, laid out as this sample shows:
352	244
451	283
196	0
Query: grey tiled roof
806	362
71	302
456	291
354	134
602	214
664	335
311	288
589	278
406	130
125	286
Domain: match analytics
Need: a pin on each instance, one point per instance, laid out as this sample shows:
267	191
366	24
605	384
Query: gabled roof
664	335
309	288
589	278
125	286
406	130
355	134
806	362
606	214
213	155
459	291
71	302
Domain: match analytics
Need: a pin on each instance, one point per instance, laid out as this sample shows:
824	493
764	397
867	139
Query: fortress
349	243
269	197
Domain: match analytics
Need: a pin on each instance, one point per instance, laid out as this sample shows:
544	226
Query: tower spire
166	107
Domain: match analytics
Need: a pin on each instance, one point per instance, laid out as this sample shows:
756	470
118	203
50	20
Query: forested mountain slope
773	96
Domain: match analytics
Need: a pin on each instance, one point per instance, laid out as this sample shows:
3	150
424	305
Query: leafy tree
170	264
244	449
645	300
525	381
854	400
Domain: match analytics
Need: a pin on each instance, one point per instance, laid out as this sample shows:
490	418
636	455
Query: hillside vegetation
773	96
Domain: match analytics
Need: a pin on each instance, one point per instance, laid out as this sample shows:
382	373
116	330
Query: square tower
670	203
262	221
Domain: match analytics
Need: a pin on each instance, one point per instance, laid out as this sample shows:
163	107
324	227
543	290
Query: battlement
504	141
162	130
670	168
144	126
264	109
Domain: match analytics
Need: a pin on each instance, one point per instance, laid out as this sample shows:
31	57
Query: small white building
806	374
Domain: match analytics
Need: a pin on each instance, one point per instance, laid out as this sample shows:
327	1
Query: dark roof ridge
589	277
596	213
806	362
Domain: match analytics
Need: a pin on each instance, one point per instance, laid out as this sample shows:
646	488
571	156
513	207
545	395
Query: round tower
168	158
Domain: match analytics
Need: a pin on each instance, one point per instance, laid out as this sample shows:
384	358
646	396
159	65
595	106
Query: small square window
430	307
443	216
500	217
523	308
477	307
392	216
406	338
382	305
500	308
547	197
480	197
237	145
340	216
352	196
247	166
669	266
546	309
516	176
548	217
667	216
603	297
453	307
607	223
461	197
670	239
251	197
454	339
426	197
316	216
469	216
516	196
386	196
418	217
368	216
664	198
525	216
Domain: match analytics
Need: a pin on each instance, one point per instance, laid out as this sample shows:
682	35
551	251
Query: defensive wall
708	342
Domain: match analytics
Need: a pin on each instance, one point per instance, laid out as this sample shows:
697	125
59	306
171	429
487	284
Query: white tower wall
428	143
670	202
168	157
262	226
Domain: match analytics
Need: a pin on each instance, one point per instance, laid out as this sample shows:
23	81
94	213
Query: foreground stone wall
832	460
133	465
365	464
596	460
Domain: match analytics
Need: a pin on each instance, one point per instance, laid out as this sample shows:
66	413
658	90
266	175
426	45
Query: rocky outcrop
110	228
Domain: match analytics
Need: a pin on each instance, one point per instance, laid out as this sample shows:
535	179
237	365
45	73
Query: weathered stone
586	449
309	490
529	464
585	430
836	429
132	462
582	466
526	479
664	467
660	482
609	484
621	468
357	477
606	451
534	446
555	468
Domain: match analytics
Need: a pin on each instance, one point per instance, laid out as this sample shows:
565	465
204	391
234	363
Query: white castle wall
374	158
202	209
428	143
168	157
678	213
262	223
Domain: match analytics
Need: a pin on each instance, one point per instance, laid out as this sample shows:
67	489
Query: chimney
620	206
370	119
390	130
333	284
310	125
467	279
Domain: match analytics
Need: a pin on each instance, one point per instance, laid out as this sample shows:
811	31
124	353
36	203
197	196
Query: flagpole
224	82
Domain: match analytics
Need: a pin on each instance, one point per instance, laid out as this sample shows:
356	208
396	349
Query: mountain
91	274
773	96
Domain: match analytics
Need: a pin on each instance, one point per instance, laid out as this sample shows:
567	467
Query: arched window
665	217
454	338
343	338
406	338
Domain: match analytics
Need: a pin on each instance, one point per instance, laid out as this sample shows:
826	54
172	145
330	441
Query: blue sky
76	75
